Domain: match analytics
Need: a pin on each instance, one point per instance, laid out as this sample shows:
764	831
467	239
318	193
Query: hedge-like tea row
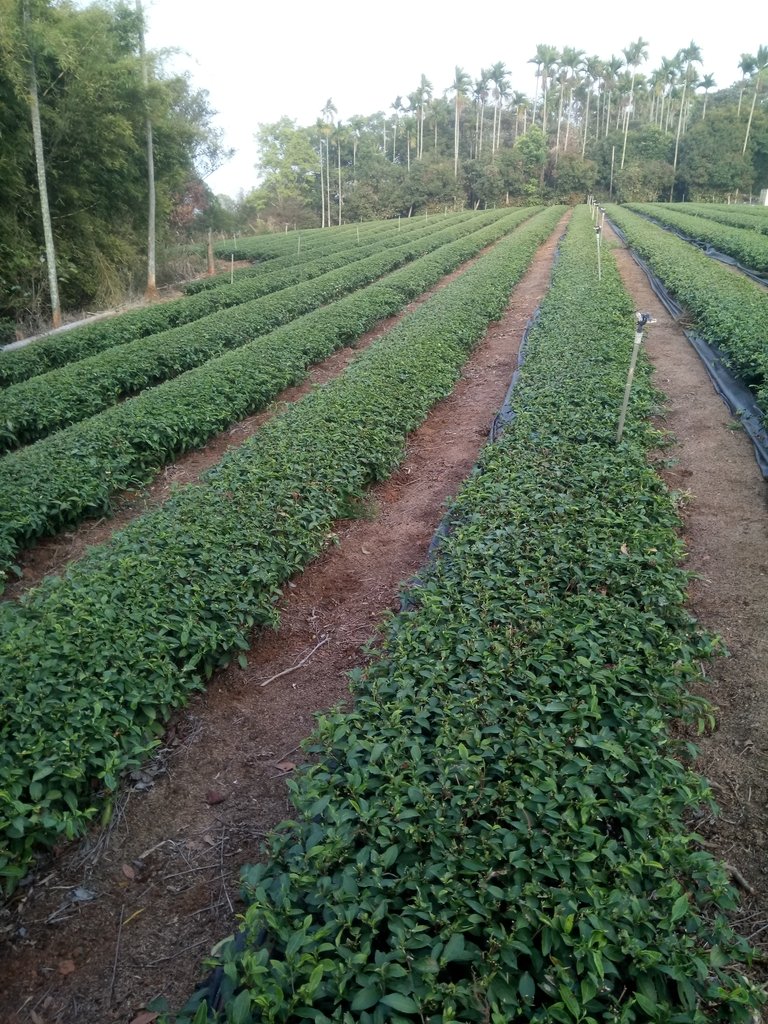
38	407
332	244
730	311
745	244
274	246
91	339
733	216
93	662
496	834
74	473
81	342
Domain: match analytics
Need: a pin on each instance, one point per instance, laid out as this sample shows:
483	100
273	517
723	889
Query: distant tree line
591	125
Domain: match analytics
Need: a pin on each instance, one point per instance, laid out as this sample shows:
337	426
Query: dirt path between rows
101	931
52	554
725	516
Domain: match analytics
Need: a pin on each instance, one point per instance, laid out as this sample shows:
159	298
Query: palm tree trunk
677	138
338	154
586	126
751	112
568	120
559	120
626	122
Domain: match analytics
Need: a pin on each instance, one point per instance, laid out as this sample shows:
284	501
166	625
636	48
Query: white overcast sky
260	61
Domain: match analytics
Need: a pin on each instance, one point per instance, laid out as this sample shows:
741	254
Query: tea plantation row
733	216
329	243
496	832
729	310
34	408
75	472
742	243
80	342
93	662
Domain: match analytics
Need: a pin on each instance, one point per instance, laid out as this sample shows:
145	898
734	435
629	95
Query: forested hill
591	125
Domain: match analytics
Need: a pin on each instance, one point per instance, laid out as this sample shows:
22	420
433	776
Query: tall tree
688	57
538	60
398	108
498	75
708	82
550	56
327	112
570	61
761	63
593	69
151	289
459	86
747	65
480	97
611	69
634	55
42	179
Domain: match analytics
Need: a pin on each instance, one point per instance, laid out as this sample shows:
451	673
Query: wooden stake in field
642	319
232	269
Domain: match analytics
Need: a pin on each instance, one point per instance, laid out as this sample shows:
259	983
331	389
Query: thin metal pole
599	255
642	320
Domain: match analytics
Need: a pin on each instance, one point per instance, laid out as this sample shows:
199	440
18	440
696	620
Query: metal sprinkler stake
641	321
599	254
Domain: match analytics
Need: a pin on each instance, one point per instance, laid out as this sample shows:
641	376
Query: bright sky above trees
260	61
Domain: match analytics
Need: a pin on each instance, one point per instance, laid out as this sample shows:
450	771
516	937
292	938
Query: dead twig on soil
738	877
174	956
298	664
117	956
190	871
221	872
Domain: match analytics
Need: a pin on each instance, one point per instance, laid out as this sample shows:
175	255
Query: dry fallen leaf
35	1017
213	796
285	766
624	549
129	872
145	1017
66	967
364	549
